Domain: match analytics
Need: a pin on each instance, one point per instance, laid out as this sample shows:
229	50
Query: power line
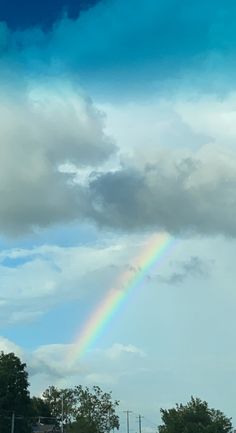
150	422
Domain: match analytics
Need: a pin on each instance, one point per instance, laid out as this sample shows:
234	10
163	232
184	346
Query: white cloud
47	365
51	361
117	350
8	346
63	274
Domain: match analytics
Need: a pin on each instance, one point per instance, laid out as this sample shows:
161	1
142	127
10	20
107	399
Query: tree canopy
85	410
194	417
40	410
88	410
14	395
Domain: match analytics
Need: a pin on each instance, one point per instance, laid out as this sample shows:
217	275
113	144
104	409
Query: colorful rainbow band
153	254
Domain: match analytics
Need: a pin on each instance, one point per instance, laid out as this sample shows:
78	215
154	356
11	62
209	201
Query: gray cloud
194	267
41	129
57	165
194	194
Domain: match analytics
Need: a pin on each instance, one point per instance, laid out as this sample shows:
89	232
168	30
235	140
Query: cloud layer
151	41
46	364
177	172
178	167
81	276
63	275
41	129
192	193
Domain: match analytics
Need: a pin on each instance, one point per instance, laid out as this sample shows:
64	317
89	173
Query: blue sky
117	121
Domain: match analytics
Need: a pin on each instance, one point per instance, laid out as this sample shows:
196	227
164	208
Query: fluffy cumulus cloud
43	128
170	168
46	361
48	364
117	350
8	346
50	361
179	172
191	193
175	169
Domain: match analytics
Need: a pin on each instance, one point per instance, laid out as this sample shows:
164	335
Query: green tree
14	395
40	410
194	417
85	411
56	399
96	412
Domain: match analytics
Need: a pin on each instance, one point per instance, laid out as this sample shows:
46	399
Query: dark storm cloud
22	14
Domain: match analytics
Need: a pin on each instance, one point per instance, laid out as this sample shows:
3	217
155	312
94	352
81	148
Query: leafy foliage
85	411
96	412
195	417
57	398
40	410
14	395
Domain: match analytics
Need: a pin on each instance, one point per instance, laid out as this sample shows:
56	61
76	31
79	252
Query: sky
118	125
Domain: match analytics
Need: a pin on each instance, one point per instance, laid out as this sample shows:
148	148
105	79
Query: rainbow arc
151	256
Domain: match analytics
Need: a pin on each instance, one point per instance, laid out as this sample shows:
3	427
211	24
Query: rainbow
151	256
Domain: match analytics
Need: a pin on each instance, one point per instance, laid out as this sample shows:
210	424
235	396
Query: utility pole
13	422
62	414
127	418
140	423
